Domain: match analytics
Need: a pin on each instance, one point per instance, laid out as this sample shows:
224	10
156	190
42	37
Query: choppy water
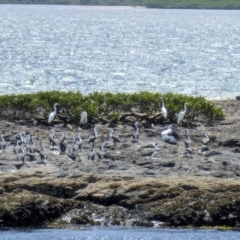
119	49
95	233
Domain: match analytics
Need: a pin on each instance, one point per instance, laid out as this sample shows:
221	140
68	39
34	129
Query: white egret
170	135
83	118
182	114
52	114
163	110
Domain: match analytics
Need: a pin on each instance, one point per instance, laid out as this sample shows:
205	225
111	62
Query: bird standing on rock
83	118
112	137
182	114
93	138
187	142
52	114
101	151
163	110
42	153
63	144
91	154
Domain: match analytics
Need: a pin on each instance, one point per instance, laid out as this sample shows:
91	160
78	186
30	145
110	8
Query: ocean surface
119	49
114	233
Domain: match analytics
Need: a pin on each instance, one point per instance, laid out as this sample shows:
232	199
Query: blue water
119	49
95	233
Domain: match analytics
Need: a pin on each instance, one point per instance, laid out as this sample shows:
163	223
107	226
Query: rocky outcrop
119	200
146	182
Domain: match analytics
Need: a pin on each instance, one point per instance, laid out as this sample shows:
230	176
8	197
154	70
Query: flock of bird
24	146
170	135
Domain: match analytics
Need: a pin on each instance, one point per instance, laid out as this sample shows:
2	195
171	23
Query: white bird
83	118
182	114
52	114
163	110
170	135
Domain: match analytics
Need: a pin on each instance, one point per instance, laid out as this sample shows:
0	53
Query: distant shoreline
159	4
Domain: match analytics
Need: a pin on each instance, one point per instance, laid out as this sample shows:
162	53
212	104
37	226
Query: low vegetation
106	107
193	4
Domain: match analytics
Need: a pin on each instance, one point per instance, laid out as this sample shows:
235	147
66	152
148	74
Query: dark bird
63	144
101	152
91	154
73	154
79	139
53	142
43	154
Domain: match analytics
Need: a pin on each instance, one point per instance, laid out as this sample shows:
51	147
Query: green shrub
108	105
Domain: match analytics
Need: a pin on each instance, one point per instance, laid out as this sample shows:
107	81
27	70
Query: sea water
119	49
118	233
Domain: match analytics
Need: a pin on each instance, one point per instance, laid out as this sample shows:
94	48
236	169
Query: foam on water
118	233
119	49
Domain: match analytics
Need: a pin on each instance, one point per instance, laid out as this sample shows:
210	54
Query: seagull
52	114
83	118
163	110
182	114
170	135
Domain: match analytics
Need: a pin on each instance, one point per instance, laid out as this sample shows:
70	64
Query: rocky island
147	182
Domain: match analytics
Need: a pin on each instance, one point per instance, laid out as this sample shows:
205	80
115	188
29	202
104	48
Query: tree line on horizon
177	4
